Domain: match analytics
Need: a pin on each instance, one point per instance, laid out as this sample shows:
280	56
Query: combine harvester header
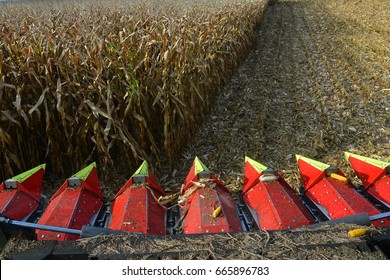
76	203
272	202
208	206
374	174
135	207
204	205
329	189
20	196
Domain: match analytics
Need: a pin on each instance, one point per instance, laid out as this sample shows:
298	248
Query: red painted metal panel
75	204
33	185
200	207
310	176
192	177
73	208
152	183
251	177
340	200
90	183
136	210
276	207
374	176
337	198
367	172
201	197
381	190
16	204
275	204
135	207
21	202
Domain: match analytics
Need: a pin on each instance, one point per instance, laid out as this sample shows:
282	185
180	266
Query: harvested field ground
317	84
324	243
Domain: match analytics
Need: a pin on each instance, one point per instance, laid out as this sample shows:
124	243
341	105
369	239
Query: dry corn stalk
133	84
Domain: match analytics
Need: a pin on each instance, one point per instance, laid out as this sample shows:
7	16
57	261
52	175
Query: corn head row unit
204	205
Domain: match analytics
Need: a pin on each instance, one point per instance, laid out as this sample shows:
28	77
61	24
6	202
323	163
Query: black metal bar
379	216
360	219
86	231
38	226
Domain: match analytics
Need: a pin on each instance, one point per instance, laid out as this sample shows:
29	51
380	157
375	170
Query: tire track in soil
277	104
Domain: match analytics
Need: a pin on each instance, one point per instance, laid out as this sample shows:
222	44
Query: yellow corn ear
339	177
357	232
217	212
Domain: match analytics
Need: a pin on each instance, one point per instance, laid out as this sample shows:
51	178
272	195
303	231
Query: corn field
114	82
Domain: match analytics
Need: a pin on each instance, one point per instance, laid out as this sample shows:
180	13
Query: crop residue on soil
317	84
324	243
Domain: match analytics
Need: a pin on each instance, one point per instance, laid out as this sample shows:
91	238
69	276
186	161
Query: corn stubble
114	82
